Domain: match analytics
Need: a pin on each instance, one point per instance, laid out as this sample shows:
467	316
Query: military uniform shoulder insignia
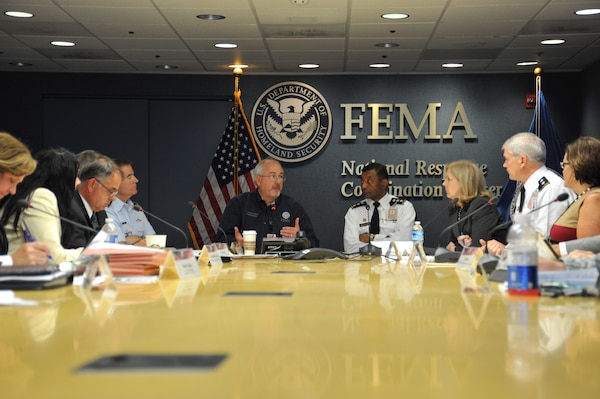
396	201
359	204
543	182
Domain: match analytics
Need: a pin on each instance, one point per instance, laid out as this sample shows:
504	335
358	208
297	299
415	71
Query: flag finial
238	71
537	71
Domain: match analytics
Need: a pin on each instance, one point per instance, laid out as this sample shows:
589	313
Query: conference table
272	328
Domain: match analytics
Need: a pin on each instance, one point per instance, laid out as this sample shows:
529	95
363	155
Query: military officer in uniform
525	162
380	216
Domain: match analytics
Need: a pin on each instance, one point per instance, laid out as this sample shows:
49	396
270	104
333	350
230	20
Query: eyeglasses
274	177
562	164
112	193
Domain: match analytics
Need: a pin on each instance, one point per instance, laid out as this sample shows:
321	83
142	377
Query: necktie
521	198
94	220
375	219
519	192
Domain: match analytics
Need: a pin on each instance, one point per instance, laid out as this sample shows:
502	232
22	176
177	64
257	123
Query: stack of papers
129	260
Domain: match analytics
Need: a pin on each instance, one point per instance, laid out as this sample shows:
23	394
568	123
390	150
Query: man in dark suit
99	185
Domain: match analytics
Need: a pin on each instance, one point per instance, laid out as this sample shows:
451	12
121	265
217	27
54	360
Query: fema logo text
291	121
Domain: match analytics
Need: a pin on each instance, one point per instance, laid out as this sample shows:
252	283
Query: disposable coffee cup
156	240
249	242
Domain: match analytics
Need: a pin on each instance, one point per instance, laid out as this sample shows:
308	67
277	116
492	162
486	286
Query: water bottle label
418	235
112	238
522	277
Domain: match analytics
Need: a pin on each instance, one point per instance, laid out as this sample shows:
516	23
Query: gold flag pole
237	72
538	109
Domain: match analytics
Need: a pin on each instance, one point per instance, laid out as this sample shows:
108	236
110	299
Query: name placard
180	264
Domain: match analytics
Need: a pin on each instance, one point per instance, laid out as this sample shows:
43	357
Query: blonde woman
465	186
16	162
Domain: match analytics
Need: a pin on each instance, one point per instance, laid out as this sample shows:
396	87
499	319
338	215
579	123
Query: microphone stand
26	205
444	255
561	197
204	215
138	208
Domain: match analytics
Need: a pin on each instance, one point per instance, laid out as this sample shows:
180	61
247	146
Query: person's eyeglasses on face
562	164
274	177
111	192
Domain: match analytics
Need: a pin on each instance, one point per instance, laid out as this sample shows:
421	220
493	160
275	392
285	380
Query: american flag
220	184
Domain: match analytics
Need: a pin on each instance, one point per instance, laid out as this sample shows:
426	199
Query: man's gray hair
258	169
527	144
99	169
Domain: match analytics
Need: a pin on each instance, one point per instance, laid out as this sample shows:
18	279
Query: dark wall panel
183	136
115	127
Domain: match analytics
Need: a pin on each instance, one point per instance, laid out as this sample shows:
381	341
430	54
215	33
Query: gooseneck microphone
138	208
453	202
204	215
561	197
26	205
491	201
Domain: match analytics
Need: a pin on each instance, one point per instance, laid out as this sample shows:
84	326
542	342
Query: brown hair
583	156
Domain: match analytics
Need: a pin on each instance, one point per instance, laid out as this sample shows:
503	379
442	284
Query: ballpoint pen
463	240
27	237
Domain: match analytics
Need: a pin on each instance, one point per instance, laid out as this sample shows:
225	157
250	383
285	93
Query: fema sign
291	121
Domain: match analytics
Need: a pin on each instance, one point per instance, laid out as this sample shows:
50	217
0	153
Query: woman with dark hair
465	186
581	171
50	189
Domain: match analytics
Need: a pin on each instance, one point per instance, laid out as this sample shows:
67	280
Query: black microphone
138	208
453	202
26	205
272	208
561	197
491	201
368	249
204	215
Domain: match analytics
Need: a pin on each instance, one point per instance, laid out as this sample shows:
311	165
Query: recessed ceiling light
238	66
588	11
308	66
61	43
387	45
552	41
225	45
527	63
210	17
453	65
166	66
18	14
395	16
379	65
20	64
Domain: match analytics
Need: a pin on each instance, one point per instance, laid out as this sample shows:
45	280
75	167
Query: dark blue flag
554	152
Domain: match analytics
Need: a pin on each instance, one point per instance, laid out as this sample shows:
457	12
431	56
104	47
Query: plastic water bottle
111	230
522	257
418	234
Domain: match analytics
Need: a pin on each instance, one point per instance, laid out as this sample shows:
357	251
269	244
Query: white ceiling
274	36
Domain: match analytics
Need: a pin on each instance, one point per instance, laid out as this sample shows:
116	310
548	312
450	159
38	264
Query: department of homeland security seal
291	121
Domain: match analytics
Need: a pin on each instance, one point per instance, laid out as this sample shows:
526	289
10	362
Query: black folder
34	277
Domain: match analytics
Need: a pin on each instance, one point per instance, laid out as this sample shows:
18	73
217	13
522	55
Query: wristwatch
371	236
